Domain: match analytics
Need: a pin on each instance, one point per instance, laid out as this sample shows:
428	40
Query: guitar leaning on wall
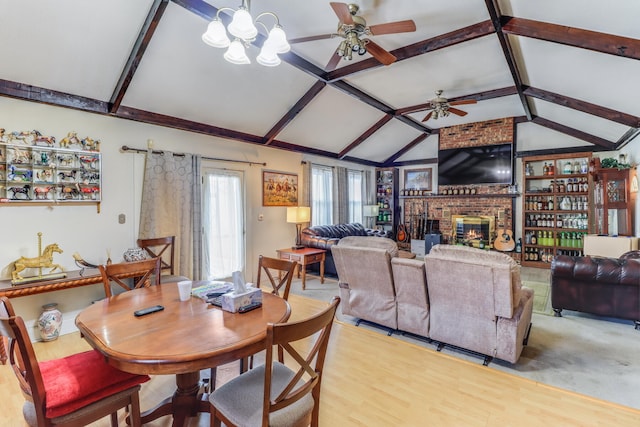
504	241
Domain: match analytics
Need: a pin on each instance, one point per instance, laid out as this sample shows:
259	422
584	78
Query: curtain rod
139	150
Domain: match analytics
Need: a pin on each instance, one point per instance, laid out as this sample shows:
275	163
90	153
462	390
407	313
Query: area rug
541	297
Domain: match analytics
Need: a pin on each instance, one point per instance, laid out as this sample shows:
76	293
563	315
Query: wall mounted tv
488	164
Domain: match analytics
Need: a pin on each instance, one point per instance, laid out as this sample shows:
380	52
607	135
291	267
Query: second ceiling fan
354	30
441	107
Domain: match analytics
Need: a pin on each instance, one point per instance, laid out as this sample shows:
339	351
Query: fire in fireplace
473	230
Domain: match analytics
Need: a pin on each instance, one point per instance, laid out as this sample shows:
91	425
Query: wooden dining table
182	339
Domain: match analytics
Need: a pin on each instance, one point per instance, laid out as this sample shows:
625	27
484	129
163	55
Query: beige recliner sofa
477	301
377	286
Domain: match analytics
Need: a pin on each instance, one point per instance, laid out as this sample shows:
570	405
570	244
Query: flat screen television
488	164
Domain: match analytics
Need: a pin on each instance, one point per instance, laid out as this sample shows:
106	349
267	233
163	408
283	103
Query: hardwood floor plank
375	380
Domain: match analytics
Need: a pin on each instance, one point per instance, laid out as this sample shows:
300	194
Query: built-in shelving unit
387	198
556	206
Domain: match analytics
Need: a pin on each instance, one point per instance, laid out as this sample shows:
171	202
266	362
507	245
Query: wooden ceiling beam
47	96
461	35
135	56
576	37
359	140
293	112
494	12
592	139
585	107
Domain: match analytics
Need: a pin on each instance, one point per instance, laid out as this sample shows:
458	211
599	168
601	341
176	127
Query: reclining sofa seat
477	301
326	236
378	286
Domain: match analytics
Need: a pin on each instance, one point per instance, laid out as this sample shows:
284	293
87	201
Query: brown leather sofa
602	286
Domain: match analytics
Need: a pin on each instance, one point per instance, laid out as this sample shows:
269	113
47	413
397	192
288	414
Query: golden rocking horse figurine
45	260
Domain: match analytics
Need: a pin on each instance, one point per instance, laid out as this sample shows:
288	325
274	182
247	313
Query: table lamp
298	215
370	211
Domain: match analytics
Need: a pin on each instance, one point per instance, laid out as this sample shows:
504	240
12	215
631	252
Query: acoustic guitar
504	242
401	235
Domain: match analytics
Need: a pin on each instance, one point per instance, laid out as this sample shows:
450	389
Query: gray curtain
171	206
341	196
305	188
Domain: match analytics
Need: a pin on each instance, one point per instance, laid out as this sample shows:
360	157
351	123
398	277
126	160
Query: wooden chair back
285	268
143	273
163	248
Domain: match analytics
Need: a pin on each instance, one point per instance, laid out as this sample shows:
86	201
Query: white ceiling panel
69	45
532	138
427	149
456	70
332	121
390	139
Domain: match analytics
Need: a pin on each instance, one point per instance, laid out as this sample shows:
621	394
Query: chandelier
440	110
244	32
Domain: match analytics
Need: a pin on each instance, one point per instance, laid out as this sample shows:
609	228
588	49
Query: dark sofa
325	236
602	286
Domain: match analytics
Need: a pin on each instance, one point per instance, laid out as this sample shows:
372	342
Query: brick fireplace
491	201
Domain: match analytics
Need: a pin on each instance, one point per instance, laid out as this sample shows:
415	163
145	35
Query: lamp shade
370	210
268	56
242	25
278	40
298	214
216	35
236	54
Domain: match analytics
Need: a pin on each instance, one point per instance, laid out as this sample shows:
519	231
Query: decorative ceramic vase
50	322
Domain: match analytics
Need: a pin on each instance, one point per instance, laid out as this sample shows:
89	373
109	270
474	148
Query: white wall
82	229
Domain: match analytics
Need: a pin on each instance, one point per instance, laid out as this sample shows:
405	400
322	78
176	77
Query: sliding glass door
223	223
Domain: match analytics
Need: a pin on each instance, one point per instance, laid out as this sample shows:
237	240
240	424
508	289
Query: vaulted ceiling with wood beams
568	71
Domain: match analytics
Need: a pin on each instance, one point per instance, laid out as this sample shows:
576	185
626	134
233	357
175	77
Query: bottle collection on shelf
548	168
570	242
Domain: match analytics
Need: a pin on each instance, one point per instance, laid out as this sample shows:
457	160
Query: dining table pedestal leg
186	401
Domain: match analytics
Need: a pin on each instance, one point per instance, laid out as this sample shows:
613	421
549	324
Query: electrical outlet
122	219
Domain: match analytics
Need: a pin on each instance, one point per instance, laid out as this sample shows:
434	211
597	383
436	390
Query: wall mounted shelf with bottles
387	198
556	206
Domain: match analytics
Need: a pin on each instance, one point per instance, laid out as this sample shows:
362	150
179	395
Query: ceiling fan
441	107
354	30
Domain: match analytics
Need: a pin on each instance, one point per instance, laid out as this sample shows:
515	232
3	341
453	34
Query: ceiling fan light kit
441	107
243	29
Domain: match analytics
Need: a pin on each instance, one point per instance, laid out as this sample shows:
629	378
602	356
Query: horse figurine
71	138
43	261
42	193
47	140
16	174
26	137
19	156
89	144
20	190
44	175
67	176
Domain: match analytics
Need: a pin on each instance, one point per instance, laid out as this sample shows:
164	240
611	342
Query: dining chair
143	273
281	286
275	394
71	391
163	248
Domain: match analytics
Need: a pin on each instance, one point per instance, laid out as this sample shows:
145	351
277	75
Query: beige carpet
541	297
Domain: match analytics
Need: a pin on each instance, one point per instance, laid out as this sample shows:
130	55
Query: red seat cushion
81	379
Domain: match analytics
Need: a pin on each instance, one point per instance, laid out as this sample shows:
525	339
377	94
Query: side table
304	257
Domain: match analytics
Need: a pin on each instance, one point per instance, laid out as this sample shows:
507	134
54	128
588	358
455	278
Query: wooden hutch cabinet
556	206
387	198
613	200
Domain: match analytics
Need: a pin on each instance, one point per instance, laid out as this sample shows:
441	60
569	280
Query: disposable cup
184	288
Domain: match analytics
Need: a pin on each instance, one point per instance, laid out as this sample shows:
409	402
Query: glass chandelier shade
244	32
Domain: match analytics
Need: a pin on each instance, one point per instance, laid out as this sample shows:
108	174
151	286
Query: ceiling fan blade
333	62
310	38
407	26
428	116
379	53
458	112
463	102
342	10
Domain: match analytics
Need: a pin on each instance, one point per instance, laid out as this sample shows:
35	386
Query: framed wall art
279	189
418	179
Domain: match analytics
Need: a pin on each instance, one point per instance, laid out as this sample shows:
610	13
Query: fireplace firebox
473	230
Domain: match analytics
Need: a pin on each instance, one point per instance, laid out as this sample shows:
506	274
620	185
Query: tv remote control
249	307
148	310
